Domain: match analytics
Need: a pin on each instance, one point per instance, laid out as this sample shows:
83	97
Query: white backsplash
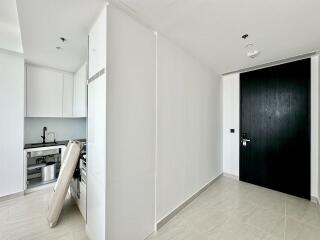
64	128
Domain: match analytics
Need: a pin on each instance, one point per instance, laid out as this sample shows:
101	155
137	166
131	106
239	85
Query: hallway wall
188	126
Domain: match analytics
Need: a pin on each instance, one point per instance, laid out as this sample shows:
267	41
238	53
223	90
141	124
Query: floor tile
228	209
25	218
303	211
295	230
234	229
269	221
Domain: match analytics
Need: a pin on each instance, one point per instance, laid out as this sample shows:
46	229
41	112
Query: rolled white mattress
69	161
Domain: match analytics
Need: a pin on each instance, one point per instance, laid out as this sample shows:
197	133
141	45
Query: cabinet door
96	148
67	107
44	92
97	46
80	92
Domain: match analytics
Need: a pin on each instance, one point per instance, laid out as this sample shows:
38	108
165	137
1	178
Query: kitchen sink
49	144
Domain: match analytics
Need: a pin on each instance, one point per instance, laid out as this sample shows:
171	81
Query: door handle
244	141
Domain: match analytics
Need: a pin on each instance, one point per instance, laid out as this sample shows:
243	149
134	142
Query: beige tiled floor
24	218
230	209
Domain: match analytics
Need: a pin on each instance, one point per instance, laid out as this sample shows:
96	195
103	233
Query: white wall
231	108
130	128
64	128
11	123
231	101
188	127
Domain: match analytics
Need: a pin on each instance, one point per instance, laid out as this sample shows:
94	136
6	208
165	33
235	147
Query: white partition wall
11	123
188	126
130	128
96	148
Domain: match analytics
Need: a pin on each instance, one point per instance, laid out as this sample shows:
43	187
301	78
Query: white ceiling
10	37
43	22
212	29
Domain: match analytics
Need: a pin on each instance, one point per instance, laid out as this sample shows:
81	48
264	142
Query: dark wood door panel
275	116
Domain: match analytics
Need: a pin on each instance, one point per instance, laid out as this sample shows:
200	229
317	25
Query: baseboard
229	175
11	196
166	219
315	200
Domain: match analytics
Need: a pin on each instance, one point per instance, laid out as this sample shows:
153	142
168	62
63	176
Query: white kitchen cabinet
68	89
44	92
80	92
98	46
53	93
96	173
96	138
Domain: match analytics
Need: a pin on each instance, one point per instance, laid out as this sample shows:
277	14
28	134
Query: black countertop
50	144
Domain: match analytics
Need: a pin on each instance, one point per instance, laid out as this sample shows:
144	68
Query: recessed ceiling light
249	45
254	53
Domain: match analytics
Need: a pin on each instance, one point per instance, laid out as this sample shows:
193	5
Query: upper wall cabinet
44	92
53	93
80	92
97	46
68	86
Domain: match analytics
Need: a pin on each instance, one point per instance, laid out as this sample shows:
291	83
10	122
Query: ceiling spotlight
63	39
245	36
59	48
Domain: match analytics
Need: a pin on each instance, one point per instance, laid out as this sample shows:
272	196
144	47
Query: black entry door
275	119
